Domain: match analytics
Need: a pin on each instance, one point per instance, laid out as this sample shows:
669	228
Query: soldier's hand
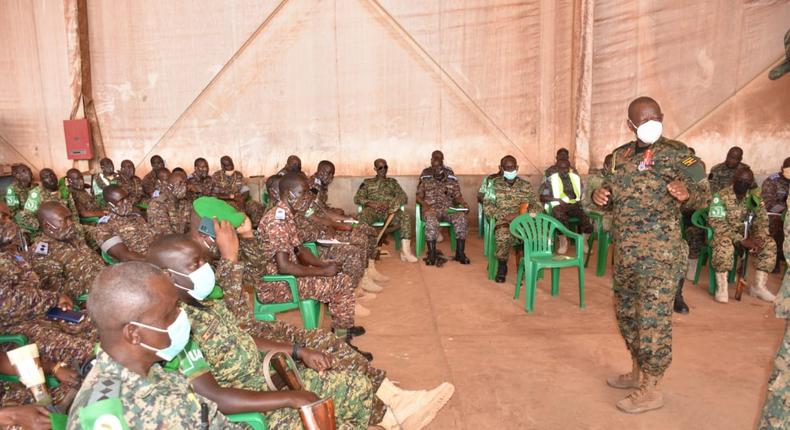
297	399
601	196
227	241
329	270
65	303
67	375
245	229
315	360
751	243
678	190
27	417
343	227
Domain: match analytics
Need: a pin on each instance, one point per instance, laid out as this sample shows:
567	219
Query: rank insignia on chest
646	162
279	214
42	248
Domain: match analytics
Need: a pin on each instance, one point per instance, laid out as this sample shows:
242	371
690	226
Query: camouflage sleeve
603	180
21	302
770	196
692	173
786	247
361	197
49	271
782	302
400	197
230	276
455	192
532	199
252	252
158	218
760	224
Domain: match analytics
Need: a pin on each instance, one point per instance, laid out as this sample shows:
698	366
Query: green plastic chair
108	259
489	247
481	222
58	421
538	236
309	309
603	238
419	227
380	224
255	420
700	219
89	220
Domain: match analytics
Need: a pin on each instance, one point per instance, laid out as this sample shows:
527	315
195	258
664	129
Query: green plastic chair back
603	238
538	233
89	220
419	227
481	222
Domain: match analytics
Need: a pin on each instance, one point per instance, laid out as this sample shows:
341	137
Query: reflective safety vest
558	191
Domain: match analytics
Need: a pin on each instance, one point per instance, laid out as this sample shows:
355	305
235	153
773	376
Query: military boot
680	305
460	257
405	251
626	380
646	398
691	269
758	289
501	271
412	410
430	260
374	274
722	296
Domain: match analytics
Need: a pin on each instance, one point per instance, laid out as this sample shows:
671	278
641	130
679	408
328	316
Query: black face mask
741	187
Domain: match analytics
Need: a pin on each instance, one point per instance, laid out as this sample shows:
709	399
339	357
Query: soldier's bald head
173	251
114	193
52	212
734	157
643	108
293	182
177	177
121	293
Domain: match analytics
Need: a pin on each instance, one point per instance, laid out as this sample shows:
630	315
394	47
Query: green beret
212	207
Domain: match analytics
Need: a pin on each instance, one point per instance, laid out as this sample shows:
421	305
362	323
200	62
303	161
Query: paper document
458	209
350	221
330	242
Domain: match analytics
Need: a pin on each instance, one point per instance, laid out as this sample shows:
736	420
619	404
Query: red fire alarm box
78	139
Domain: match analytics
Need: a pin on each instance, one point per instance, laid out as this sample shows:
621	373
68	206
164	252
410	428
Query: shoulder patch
716	208
279	214
688	161
41	248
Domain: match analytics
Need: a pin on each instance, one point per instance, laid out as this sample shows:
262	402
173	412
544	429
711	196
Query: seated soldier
382	196
229	184
107	176
85	203
23	305
292	165
721	174
437	158
149	181
16	399
170	212
123	234
139	324
562	154
564	196
130	182
774	193
730	209
509	196
48	191
16	193
162	175
62	260
199	182
437	194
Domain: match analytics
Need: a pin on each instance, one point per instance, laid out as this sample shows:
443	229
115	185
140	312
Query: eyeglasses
382	167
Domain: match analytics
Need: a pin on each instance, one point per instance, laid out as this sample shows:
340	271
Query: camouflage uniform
159	400
16	196
727	223
774	194
67	268
150	183
278	233
503	200
100	181
205	187
168	214
235	361
776	412
428	173
230	276
349	256
650	256
22	309
83	201
254	210
133	186
385	190
27	217
130	230
441	196
721	176
229	184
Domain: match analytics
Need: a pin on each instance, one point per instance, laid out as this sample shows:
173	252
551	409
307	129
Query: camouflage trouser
344	358
777	233
433	217
695	236
563	213
643	299
254	211
724	251
335	291
402	220
776	412
350	258
58	341
504	241
361	235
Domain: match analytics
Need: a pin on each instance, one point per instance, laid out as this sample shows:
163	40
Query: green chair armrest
89	220
108	259
312	247
290	279
255	420
17	339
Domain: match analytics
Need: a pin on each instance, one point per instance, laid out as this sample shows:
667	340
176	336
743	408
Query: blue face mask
510	175
203	281
178	332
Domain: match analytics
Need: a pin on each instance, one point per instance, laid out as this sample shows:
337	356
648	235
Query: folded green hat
212	207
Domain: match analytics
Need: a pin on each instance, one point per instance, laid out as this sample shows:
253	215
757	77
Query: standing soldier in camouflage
16	193
86	205
23	304
381	196
650	180
61	258
508	193
130	182
229	184
776	412
149	181
436	194
721	174
170	211
775	191
200	183
123	234
47	191
729	211
282	253
138	327
107	176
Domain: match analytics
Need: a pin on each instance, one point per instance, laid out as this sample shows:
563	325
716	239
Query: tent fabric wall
353	80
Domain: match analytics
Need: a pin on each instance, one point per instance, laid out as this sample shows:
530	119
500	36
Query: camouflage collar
131	381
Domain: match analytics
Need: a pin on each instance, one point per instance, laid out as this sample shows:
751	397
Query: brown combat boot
645	398
626	380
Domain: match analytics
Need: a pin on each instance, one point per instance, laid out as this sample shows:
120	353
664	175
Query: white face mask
510	175
649	132
178	332
786	173
203	281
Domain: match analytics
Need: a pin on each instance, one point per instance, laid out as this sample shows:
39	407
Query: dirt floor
547	370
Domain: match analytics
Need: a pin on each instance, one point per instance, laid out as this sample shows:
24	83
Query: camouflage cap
212	207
